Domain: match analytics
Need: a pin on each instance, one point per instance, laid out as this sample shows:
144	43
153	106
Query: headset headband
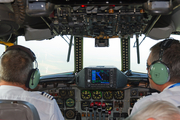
164	45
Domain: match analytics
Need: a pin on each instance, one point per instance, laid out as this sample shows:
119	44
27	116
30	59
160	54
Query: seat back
17	110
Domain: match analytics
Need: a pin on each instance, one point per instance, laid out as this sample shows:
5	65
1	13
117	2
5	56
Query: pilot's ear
150	119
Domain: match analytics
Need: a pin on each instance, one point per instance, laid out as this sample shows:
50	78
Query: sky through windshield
52	54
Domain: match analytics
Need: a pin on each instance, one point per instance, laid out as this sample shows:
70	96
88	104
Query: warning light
111	11
92	104
112	5
83	5
103	104
96	103
99	103
141	11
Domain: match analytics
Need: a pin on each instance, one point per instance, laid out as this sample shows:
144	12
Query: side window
144	50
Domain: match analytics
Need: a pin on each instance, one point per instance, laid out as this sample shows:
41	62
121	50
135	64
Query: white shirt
171	95
47	108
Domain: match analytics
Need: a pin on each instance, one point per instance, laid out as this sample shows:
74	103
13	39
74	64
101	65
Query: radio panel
101	77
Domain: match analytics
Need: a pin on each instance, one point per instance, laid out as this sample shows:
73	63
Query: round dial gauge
96	95
85	95
85	105
60	102
62	93
119	95
109	105
70	114
71	93
108	95
70	102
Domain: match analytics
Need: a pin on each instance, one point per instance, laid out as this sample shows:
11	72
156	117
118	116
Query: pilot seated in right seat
163	67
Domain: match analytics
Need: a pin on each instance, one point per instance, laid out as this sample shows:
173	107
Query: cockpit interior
89	90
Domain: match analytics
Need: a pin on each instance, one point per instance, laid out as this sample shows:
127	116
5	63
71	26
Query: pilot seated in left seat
17	76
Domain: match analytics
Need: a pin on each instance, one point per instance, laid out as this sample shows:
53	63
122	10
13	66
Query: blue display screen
100	76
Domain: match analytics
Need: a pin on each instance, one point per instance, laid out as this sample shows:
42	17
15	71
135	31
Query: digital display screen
100	76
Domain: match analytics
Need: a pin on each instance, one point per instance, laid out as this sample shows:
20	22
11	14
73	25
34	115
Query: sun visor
37	34
176	19
164	32
161	33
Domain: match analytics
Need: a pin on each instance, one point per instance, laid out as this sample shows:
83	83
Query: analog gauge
71	93
96	95
109	105
134	92
85	94
108	95
133	101
119	95
70	102
62	93
60	102
70	114
85	105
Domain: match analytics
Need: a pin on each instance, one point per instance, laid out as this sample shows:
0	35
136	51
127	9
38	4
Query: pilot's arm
143	102
56	113
48	108
134	109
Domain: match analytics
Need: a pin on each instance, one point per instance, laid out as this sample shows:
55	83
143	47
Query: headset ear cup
159	73
33	78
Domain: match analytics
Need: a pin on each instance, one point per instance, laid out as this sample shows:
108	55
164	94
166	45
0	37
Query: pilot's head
16	66
163	63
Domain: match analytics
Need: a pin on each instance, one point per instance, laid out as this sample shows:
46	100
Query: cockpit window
2	49
102	56
52	54
144	50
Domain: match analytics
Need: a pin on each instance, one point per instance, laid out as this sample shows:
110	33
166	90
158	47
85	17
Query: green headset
158	70
34	74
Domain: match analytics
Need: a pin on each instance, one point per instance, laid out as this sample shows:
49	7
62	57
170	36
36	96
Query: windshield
52	54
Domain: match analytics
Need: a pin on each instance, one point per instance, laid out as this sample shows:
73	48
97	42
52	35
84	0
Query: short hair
15	66
171	57
159	110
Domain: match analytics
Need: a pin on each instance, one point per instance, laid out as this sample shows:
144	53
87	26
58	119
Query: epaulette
47	95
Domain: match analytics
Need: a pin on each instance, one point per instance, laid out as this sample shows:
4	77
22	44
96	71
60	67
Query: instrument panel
89	103
92	97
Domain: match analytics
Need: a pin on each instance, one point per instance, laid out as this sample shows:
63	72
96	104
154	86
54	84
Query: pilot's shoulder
47	95
148	98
